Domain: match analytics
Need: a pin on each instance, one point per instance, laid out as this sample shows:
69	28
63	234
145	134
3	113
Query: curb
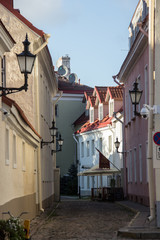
138	234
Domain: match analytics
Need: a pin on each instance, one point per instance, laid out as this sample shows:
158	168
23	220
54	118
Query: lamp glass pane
117	143
29	63
60	142
21	62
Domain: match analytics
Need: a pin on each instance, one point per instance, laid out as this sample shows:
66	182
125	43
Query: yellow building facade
29	180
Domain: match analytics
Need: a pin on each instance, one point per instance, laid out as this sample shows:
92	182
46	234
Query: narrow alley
82	219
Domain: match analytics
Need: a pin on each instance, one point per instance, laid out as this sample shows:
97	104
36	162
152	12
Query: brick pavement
81	219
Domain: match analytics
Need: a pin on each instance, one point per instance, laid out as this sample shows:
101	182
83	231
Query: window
139	86
111	107
110	144
146	84
3	71
23	156
91	114
135	165
7	146
100	144
88	182
87	148
100	111
82	149
140	163
93	148
14	151
82	181
126	107
130	165
147	161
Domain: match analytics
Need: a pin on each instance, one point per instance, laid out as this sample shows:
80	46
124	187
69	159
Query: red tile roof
92	100
11	102
81	120
101	93
95	125
116	92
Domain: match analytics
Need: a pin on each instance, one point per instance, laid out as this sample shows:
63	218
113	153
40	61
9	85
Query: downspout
46	36
78	163
58	97
150	120
124	138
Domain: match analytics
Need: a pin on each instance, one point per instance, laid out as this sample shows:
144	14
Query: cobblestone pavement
81	219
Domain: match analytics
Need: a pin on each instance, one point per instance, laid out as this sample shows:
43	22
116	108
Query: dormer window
91	114
100	111
111	107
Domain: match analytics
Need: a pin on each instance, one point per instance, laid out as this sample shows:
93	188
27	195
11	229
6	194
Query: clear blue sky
94	33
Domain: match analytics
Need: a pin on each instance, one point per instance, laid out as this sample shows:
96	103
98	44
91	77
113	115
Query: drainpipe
124	143
78	163
150	119
58	97
46	36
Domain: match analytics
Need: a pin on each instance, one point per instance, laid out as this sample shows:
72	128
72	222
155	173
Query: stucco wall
68	111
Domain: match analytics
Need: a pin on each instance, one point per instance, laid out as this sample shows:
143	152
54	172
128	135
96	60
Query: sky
94	33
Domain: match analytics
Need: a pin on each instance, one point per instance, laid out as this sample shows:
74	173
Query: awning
95	170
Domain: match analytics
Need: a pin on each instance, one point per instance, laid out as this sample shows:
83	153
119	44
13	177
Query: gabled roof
114	93
100	92
97	124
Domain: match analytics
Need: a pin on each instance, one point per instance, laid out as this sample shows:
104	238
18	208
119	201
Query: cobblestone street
82	219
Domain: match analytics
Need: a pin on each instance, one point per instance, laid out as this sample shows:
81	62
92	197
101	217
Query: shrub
11	229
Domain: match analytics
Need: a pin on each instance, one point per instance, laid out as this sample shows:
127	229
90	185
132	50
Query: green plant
12	229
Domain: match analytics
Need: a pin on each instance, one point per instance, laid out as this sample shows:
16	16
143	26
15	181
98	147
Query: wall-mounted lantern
26	62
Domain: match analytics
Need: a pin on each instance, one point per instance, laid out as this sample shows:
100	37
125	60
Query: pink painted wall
136	134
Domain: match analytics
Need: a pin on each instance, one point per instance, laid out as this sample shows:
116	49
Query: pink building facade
135	68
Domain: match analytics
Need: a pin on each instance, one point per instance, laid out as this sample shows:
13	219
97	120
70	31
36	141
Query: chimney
7	3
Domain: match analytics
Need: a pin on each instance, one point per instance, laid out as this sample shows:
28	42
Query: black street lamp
117	144
53	131
135	96
60	143
26	62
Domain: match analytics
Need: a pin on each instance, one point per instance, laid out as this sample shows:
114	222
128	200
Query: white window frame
100	111
135	165
140	163
7	146
111	107
14	150
110	147
91	114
